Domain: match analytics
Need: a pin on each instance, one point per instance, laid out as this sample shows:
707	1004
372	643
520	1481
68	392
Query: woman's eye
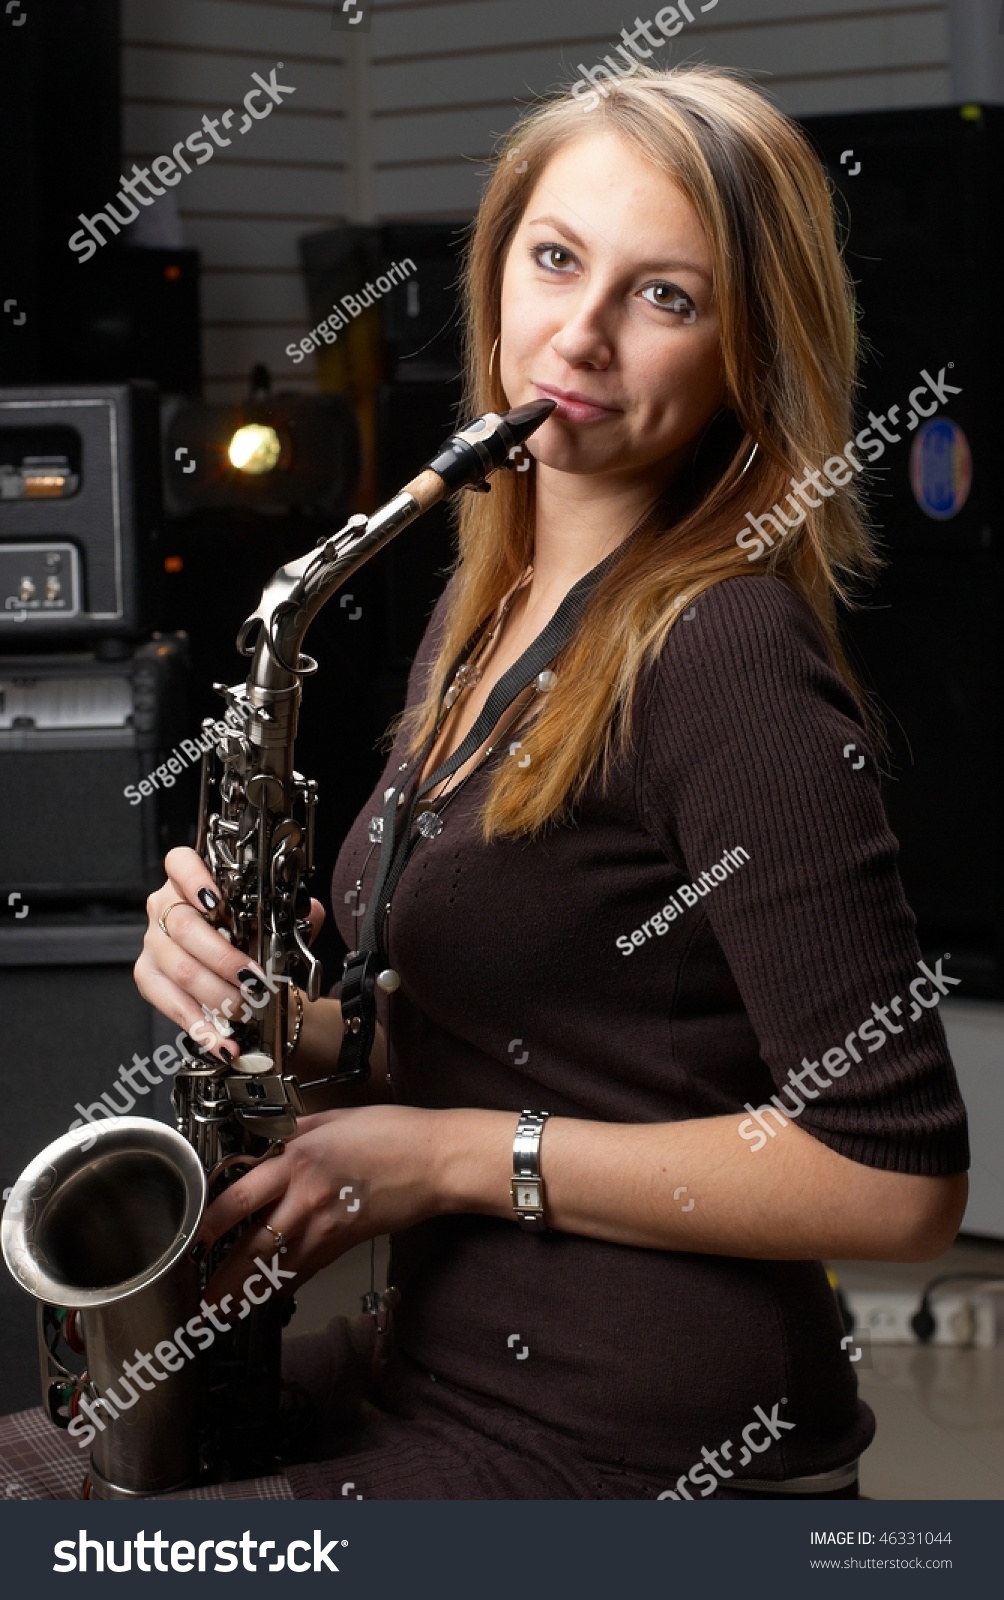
560	257
669	298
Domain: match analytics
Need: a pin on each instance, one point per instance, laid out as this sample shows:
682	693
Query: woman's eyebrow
675	265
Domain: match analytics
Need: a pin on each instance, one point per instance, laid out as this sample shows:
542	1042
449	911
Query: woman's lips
572	409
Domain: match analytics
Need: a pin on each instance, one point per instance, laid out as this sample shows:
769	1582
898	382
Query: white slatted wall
246	208
393	123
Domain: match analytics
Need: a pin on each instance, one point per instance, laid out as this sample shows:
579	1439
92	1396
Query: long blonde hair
789	348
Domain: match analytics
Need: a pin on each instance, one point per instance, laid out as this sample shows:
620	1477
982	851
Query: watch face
528	1194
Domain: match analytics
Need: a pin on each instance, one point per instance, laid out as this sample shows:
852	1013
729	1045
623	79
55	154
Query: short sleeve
752	743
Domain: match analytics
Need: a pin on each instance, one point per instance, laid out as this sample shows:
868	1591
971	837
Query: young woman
662	898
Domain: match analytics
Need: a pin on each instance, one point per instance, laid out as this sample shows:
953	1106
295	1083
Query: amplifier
79	512
98	772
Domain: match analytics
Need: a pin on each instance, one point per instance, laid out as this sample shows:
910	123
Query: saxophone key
264	792
255	1062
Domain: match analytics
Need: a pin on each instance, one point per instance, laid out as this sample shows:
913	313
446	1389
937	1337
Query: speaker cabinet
920	194
98	772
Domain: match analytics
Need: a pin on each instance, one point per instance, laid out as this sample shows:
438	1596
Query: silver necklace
472	671
428	813
429	820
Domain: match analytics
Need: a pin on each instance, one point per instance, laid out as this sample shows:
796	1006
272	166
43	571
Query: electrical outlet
973	1320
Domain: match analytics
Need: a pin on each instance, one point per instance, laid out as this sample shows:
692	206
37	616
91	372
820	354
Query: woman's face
607	307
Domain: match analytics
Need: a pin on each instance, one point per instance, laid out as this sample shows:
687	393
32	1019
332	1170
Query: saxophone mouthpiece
524	420
470	455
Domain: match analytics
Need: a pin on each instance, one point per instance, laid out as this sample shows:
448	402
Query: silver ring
277	1234
162	920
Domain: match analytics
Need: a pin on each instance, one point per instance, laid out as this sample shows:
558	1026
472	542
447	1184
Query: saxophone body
102	1237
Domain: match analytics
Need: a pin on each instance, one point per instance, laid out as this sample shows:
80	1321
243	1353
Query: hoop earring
749	462
491	363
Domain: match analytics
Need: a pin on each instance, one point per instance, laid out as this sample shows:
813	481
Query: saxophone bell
106	1234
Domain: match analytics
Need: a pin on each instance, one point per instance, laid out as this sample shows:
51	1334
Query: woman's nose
585	337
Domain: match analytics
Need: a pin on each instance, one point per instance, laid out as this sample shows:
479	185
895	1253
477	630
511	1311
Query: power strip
973	1320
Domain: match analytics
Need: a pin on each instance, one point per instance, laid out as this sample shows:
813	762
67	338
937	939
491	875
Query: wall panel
395	122
247	207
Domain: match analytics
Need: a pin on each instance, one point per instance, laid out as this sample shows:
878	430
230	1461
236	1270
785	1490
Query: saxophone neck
275	632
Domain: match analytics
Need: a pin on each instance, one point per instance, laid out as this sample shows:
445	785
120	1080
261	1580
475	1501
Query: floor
940	1412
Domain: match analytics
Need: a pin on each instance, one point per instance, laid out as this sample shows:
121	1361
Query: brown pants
408	1438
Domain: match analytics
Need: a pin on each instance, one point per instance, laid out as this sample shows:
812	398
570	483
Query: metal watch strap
526	1185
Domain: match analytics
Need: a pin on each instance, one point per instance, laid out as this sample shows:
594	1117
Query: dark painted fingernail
252	979
208	899
225	1055
192	1048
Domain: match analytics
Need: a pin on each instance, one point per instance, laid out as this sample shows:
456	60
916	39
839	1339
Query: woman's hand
346	1176
192	974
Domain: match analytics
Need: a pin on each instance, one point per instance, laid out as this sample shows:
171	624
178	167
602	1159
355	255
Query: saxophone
102	1237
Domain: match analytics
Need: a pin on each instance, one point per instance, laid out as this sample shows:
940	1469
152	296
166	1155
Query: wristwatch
526	1184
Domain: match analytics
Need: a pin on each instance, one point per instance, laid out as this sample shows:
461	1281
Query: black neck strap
361	966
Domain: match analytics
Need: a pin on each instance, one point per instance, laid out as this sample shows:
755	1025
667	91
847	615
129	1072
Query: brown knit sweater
517	989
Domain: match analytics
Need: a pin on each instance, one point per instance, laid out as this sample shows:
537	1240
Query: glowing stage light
255	449
268	451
